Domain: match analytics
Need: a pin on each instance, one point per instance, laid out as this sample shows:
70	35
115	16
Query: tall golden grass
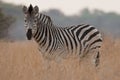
23	61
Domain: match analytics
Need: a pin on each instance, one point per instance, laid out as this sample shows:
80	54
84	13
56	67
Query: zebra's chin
29	34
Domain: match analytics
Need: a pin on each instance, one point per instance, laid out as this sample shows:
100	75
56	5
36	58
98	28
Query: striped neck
44	19
45	28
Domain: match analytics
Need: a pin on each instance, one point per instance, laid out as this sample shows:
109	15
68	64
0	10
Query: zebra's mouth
29	34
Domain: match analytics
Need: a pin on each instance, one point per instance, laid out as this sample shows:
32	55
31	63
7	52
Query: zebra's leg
97	59
96	65
58	59
46	62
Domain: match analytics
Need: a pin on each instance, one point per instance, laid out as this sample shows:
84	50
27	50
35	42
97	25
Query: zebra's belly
60	52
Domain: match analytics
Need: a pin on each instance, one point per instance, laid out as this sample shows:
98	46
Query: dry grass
22	61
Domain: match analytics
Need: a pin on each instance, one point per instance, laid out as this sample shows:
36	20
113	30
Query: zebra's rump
87	36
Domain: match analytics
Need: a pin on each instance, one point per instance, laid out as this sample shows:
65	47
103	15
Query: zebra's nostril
29	34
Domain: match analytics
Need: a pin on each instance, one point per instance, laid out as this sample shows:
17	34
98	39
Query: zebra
57	41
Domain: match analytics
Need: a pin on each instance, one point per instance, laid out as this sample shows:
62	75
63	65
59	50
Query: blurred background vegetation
5	22
12	20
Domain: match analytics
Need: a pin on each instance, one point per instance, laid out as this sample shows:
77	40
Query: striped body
61	41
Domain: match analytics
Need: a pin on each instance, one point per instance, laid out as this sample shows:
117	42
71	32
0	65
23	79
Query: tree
5	22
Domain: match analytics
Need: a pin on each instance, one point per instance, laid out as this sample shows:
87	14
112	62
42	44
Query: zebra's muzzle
29	34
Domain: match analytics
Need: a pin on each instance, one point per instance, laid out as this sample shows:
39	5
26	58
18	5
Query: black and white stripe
57	41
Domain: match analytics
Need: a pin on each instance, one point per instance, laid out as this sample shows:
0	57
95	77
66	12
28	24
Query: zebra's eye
25	20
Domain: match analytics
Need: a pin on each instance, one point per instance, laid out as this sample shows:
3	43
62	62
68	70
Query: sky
70	7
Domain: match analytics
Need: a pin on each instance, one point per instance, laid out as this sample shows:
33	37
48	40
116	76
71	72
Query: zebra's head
30	20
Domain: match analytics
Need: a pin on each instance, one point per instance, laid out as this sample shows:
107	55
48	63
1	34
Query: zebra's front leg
46	62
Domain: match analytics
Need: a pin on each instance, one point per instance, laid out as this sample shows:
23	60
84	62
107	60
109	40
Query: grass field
23	61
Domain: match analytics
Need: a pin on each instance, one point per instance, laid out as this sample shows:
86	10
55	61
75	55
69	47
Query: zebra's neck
45	31
44	19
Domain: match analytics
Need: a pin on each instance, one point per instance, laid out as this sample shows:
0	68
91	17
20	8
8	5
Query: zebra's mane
47	19
30	9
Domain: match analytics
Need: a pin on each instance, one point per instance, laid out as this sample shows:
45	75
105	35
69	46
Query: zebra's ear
36	9
24	9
